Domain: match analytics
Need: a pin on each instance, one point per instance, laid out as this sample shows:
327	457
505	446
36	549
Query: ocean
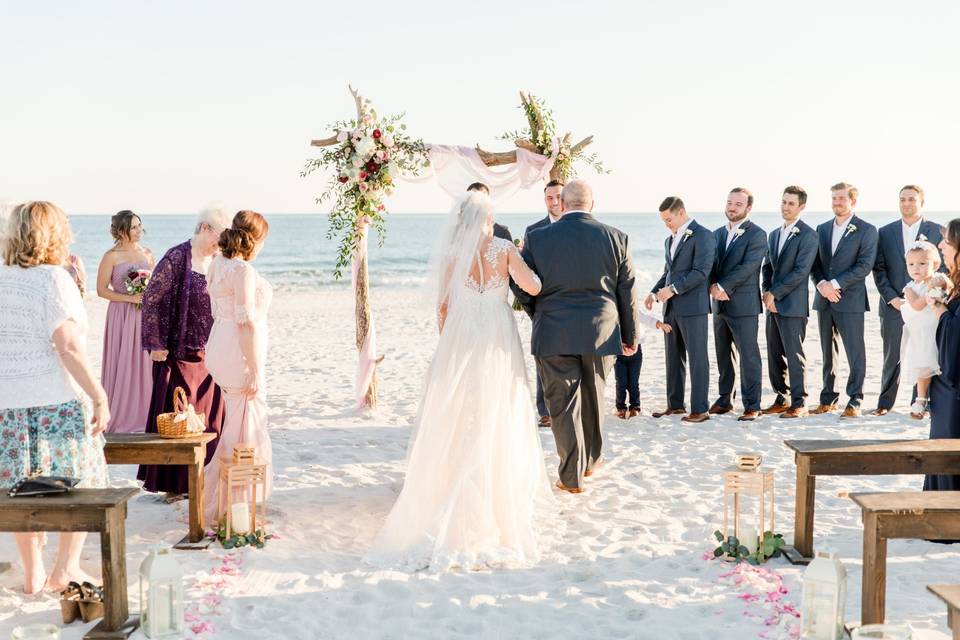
298	255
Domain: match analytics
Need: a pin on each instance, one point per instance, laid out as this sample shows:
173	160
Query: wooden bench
924	515
950	594
97	510
858	458
149	448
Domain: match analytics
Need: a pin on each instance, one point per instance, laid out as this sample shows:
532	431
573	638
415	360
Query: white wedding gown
475	472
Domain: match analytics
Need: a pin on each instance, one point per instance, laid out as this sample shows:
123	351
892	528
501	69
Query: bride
475	467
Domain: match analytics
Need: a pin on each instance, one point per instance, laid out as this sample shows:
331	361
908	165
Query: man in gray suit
584	315
847	251
791	250
890	274
735	290
690	250
551	198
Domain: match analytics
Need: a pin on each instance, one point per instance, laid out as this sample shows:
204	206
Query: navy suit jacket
849	265
890	270
785	272
689	272
737	269
539	224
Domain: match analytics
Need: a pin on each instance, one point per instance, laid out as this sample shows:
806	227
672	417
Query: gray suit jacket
849	266
890	269
587	303
737	270
785	273
688	271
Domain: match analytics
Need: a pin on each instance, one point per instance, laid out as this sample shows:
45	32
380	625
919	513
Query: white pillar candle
240	517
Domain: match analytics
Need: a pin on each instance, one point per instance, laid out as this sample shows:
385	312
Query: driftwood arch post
363	314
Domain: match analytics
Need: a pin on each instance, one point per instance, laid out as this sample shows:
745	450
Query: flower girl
918	348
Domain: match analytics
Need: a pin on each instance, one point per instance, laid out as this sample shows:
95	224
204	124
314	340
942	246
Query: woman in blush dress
945	388
237	348
176	325
126	370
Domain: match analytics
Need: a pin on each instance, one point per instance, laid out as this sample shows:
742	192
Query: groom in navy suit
682	289
736	305
786	296
847	251
890	274
552	199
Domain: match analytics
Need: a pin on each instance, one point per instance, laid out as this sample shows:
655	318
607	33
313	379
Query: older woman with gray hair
176	323
44	375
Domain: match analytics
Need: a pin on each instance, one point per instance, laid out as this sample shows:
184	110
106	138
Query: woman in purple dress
126	367
176	324
945	388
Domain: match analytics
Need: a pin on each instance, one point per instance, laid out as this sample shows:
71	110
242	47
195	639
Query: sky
162	107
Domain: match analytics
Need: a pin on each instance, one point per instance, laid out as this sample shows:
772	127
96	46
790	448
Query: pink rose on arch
364	187
387	140
383	155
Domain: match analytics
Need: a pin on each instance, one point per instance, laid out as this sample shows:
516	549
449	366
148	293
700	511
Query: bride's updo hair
248	229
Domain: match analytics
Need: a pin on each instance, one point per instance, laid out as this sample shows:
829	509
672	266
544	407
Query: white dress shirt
678	238
910	232
732	231
835	239
784	234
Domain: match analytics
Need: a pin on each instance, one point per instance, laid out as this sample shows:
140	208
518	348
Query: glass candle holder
36	632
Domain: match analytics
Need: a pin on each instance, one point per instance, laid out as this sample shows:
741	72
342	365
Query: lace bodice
237	292
493	268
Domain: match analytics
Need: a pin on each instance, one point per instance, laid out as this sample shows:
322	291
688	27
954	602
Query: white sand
630	564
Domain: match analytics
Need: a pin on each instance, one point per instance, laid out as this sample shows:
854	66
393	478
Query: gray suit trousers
573	390
785	354
689	336
848	327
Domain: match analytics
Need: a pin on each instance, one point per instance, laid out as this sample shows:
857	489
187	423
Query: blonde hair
852	191
922	246
37	233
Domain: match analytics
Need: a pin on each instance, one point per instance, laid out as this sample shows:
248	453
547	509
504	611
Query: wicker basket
168	427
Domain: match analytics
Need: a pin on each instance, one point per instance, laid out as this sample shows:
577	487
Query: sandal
918	410
70	602
91	602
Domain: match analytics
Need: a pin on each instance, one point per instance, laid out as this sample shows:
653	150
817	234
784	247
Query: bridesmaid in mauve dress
176	324
945	388
126	368
237	349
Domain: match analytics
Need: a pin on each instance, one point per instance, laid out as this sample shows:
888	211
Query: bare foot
34	583
58	580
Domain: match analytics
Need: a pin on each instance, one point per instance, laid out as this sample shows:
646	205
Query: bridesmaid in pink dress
237	348
126	370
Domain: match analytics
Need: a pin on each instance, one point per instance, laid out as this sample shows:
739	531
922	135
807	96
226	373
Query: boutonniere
922	238
739	232
687	233
795	231
851	228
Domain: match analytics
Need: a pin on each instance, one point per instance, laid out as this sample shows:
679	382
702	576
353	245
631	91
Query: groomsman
736	305
791	251
847	251
551	198
690	251
890	274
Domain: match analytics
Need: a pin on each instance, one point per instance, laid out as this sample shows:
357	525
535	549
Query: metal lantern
161	595
241	491
824	597
748	501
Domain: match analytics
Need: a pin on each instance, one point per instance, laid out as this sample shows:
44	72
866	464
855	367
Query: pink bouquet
136	282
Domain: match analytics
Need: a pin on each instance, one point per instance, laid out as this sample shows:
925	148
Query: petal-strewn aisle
630	564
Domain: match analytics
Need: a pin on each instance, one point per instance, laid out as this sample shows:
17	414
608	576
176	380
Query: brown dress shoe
719	409
544	421
775	408
749	416
634	413
880	411
599	462
622	414
696	417
823	408
668	412
795	412
564	487
851	412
